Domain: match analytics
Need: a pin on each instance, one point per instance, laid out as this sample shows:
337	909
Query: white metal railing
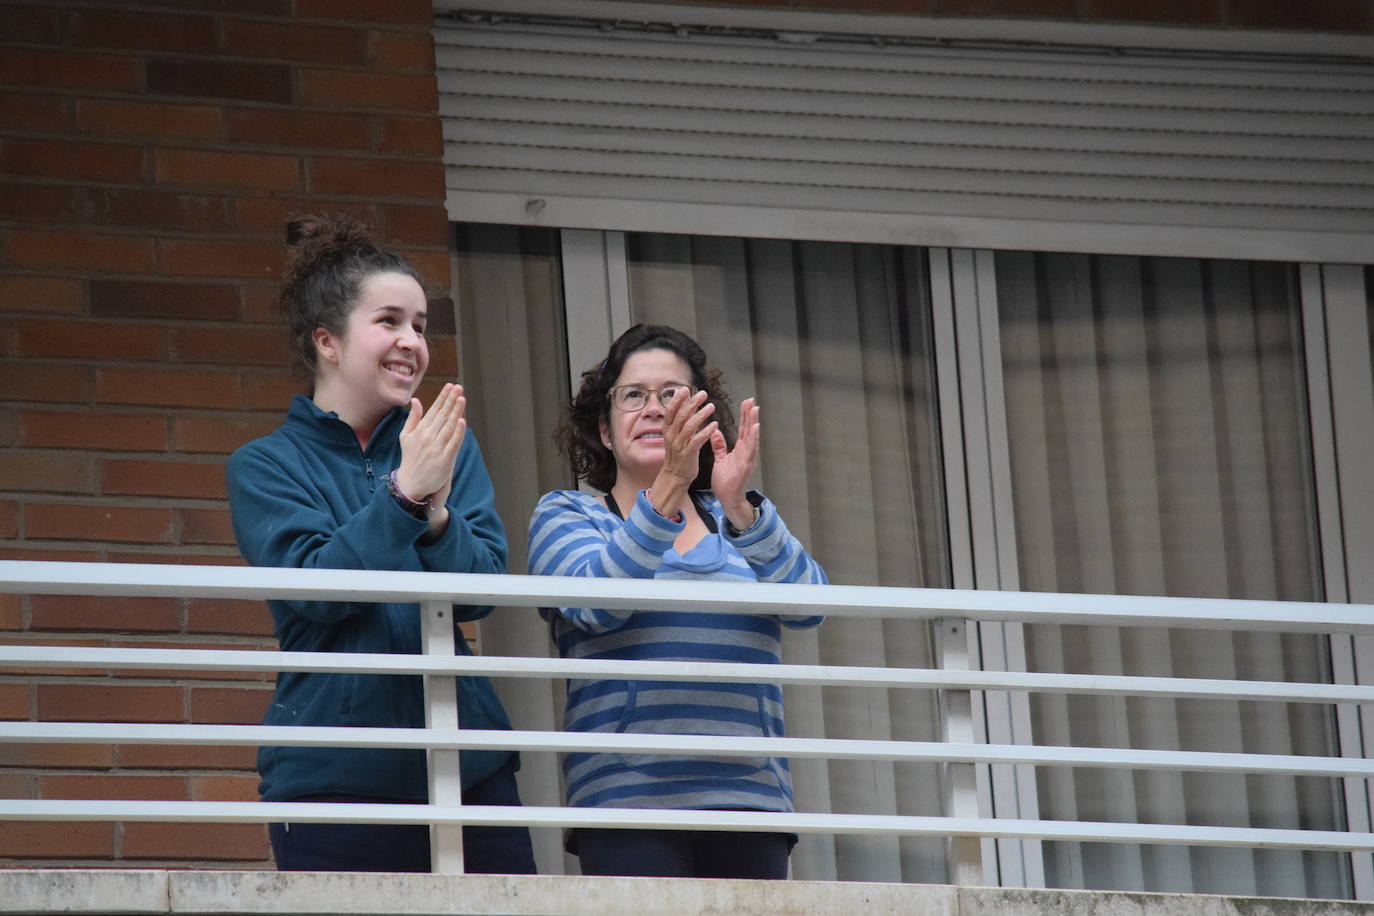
437	592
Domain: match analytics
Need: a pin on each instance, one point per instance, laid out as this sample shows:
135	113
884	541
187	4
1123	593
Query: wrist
662	508
419	508
749	516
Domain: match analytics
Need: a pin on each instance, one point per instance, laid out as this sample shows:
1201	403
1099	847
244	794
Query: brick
40	295
1174	12
14	702
27	553
315	44
229	705
411	136
45	472
26	381
130	786
15	785
84	251
142	31
83	339
93	429
218	434
204	556
253	171
11	608
250	260
260	303
58	840
106	702
443	360
377	178
432	265
270	214
416	225
220	80
236	617
167	388
1061	9
49	203
79	161
205	526
442	319
91	613
30	25
237	7
224	788
216	842
40	755
139	299
400	12
271	391
231	346
119	117
123	524
410	52
21	111
163	478
52	69
171	756
9	427
352	89
299	129
161	211
1329	15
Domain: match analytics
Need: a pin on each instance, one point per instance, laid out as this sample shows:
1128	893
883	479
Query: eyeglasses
633	398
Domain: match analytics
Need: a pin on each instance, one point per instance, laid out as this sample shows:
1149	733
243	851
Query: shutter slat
1036	143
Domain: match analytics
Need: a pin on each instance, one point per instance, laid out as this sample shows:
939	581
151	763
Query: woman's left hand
732	467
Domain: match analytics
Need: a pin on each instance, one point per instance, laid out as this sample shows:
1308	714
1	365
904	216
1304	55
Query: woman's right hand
430	441
687	426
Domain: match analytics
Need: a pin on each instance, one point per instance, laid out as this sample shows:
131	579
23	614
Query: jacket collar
307	419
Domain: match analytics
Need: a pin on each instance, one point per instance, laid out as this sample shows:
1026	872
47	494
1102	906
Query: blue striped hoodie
573	534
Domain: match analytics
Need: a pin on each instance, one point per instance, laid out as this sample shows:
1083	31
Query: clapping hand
430	441
732	466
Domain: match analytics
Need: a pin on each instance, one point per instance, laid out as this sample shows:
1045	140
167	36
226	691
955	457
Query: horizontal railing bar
502	666
885	825
687	745
174	580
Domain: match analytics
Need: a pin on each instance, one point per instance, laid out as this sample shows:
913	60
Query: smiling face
636	439
378	361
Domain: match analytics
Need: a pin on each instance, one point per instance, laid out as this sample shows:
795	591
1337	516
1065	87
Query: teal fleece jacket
307	496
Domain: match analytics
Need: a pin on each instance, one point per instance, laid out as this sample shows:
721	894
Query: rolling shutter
833	137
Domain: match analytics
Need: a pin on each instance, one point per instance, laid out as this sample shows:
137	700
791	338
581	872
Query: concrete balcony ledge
112	891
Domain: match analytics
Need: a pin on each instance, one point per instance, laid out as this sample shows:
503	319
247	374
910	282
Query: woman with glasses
651	428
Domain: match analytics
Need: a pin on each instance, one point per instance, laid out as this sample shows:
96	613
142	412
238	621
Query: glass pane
834	341
1159	446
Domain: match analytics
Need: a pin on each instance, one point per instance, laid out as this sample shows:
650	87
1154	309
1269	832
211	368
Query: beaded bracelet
414	507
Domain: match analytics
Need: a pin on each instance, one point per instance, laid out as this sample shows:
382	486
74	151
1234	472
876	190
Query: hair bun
330	231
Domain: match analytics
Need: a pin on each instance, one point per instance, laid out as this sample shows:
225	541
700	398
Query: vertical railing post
441	711
960	785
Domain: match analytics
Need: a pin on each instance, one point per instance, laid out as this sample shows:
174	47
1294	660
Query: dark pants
405	847
684	853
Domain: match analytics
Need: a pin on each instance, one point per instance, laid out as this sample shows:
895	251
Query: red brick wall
149	153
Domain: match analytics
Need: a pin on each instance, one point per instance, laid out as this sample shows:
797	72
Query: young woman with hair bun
361	475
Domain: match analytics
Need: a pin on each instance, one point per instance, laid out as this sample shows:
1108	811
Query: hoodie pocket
685	709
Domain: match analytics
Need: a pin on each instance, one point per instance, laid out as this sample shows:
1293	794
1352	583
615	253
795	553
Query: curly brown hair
327	262
579	431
